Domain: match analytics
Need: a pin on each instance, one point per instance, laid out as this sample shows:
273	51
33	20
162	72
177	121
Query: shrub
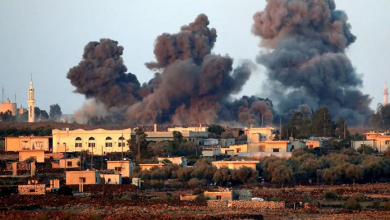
376	204
329	194
66	191
175	184
358	197
197	191
157	184
352	204
193	183
386	206
201	197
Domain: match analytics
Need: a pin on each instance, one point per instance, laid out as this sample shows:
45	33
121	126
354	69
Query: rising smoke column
194	84
307	63
191	84
102	75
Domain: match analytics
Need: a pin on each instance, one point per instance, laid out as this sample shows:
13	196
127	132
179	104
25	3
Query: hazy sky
46	38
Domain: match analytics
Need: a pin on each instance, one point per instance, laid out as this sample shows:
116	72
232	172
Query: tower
385	94
31	103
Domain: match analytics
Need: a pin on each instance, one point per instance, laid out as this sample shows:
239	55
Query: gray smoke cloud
191	84
307	63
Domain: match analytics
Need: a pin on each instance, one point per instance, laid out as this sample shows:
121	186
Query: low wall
259	205
39	189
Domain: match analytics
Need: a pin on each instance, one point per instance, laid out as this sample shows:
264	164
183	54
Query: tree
194	183
55	112
216	129
244	174
44	115
222	176
322	124
138	145
331	174
7	116
243	137
281	174
226	135
340	126
353	172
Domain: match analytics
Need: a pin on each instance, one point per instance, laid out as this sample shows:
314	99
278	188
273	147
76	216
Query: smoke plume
307	63
191	85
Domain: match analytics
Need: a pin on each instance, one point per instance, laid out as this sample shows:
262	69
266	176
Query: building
28	143
82	177
187	197
148	166
54	184
175	160
235	164
313	144
125	168
378	140
385	95
111	178
210	142
260	155
227	142
31	103
38	155
33	188
65	163
8	106
194	129
97	141
263	140
223	195
193	134
211	151
21	168
234	150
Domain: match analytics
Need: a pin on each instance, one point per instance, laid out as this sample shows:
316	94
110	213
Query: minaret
385	94
31	102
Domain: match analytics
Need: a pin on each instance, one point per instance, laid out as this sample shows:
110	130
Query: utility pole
262	120
92	157
139	146
122	145
324	125
280	129
344	131
101	165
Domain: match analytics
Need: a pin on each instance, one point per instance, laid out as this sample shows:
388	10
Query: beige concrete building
28	143
235	164
8	106
66	163
234	150
148	166
111	178
182	129
96	141
82	177
187	197
211	151
223	196
38	155
378	140
125	168
263	140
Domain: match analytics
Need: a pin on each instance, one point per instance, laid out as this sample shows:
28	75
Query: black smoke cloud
307	63
191	84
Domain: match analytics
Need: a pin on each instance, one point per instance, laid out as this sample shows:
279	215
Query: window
82	179
109	180
387	142
32	190
118	169
275	150
238	150
91	142
121	142
78	142
69	163
219	197
108	144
